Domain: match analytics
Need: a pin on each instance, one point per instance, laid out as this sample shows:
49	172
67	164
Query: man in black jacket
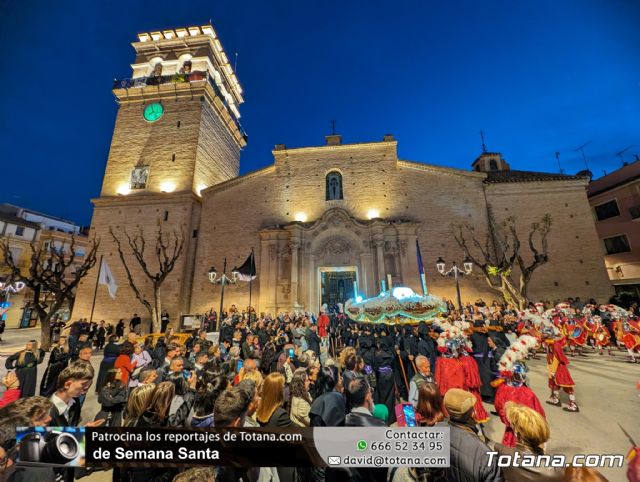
361	402
469	451
313	340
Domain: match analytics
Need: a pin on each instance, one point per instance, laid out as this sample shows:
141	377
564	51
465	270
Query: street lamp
456	272
222	280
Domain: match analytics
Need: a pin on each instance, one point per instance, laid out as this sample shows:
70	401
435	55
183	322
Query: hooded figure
385	381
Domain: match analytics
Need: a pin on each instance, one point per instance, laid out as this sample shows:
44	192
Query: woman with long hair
328	408
137	403
183	399
25	363
430	407
124	362
157	411
206	396
300	398
58	361
271	412
112	397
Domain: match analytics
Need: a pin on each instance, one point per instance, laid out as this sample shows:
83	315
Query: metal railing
141	82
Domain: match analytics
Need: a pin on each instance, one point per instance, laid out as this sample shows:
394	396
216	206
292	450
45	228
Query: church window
173	158
195	233
166	215
334	186
493	165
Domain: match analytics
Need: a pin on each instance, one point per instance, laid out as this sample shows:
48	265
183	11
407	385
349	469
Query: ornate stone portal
304	264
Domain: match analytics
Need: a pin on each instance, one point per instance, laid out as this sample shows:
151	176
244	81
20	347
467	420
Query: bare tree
53	276
500	255
168	249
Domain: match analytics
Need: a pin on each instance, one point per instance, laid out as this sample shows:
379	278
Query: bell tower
177	132
177	128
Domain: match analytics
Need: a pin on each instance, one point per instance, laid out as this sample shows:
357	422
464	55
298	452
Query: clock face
153	112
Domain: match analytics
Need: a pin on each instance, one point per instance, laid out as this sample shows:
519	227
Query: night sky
536	76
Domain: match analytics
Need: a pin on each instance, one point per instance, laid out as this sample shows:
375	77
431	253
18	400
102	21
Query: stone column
294	245
379	243
313	284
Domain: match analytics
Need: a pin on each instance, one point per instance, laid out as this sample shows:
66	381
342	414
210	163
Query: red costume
631	337
557	362
323	325
575	332
522	395
461	373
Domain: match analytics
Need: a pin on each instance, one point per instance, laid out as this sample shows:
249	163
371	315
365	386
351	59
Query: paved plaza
605	389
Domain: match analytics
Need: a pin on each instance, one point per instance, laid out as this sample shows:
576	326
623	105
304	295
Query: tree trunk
45	331
156	310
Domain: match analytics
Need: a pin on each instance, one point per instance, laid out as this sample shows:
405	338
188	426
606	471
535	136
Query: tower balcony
137	89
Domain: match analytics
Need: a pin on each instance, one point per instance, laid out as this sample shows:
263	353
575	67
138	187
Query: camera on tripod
53	447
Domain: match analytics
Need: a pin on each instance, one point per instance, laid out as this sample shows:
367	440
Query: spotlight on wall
123	189
167	186
200	188
301	217
373	214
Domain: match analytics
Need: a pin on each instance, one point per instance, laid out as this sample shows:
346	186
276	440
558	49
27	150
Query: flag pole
423	279
95	291
251	264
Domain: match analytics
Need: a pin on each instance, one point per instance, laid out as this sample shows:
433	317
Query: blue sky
537	77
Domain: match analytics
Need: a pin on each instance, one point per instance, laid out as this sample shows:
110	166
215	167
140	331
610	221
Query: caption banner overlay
273	447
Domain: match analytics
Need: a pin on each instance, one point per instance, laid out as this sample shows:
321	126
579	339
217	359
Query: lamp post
222	280
456	272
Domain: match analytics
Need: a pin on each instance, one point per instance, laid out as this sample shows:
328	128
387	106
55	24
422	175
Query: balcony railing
141	82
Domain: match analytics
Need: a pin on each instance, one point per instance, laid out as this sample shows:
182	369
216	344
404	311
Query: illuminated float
399	306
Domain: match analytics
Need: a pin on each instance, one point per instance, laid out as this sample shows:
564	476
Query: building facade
615	202
22	228
324	221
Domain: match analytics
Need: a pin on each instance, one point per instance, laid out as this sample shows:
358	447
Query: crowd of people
294	370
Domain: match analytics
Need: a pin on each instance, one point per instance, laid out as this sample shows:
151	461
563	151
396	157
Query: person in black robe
25	363
385	382
111	352
58	361
407	351
101	335
366	350
427	345
483	355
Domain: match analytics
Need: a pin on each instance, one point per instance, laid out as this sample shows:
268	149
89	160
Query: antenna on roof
620	154
484	148
636	158
558	159
604	172
235	65
333	127
581	149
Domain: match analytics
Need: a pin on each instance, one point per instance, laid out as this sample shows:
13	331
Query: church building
323	221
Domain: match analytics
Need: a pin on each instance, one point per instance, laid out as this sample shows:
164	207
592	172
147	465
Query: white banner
107	279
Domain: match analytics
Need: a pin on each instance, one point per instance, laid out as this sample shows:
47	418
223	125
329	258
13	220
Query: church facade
324	221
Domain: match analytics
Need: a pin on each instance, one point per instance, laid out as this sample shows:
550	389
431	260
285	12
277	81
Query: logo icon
362	445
